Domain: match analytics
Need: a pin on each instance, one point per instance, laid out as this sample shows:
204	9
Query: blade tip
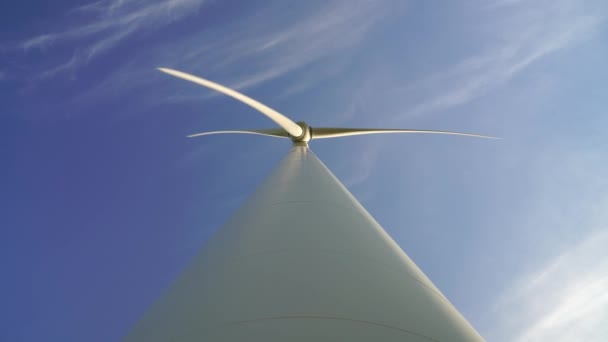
165	70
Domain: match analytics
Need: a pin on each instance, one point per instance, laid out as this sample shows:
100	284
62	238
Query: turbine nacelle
299	132
306	135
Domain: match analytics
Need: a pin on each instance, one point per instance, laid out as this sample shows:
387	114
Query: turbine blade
274	132
284	122
323	133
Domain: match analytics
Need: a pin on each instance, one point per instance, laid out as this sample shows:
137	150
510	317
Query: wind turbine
301	260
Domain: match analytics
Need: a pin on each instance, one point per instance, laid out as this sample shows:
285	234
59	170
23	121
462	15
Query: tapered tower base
302	260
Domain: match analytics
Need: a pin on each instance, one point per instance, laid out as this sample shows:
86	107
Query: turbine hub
306	135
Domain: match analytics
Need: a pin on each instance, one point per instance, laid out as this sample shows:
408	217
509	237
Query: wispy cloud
40	42
560	262
263	50
113	22
519	36
480	74
67	66
242	52
565	300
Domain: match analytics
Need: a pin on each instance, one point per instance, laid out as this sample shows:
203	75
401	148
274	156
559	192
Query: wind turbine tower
301	260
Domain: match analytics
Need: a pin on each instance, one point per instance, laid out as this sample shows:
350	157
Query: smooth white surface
279	133
302	260
289	126
324	132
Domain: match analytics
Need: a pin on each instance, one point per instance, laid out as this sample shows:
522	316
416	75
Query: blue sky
104	200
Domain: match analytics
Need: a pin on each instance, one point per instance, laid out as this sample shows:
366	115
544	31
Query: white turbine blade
284	122
279	133
323	133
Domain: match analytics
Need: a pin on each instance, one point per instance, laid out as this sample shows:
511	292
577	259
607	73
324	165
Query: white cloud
240	52
40	42
510	41
252	49
113	22
567	299
67	66
523	40
560	259
264	47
